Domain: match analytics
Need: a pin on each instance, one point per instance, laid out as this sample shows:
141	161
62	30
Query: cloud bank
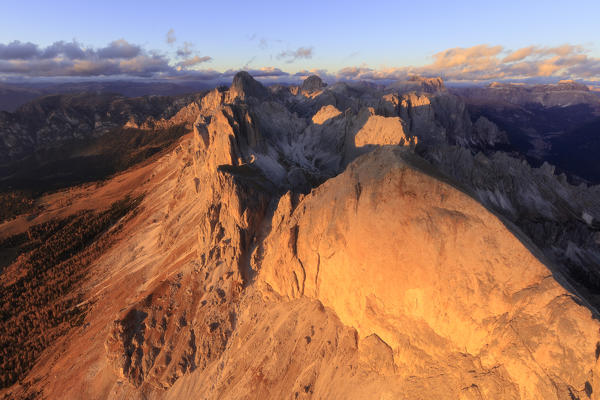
122	58
485	63
72	59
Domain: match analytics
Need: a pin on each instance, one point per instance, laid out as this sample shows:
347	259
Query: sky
459	40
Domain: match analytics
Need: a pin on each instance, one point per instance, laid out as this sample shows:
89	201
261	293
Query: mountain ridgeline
342	240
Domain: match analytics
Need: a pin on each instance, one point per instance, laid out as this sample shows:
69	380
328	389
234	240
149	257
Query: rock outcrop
244	86
312	83
391	246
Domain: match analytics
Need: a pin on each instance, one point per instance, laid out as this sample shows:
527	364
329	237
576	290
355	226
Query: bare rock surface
387	255
312	83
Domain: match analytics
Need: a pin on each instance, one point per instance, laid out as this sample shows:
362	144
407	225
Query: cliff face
399	254
296	243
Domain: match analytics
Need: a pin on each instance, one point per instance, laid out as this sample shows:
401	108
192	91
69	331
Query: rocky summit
341	241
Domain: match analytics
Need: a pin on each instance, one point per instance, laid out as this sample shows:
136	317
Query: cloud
119	58
264	72
519	54
69	50
485	62
186	50
72	59
459	56
190	62
27	51
17	50
366	73
124	59
171	36
535	51
291	56
119	49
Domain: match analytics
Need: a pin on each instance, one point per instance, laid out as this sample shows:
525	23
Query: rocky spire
312	83
244	86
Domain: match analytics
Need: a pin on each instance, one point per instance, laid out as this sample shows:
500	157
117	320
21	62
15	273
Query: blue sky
336	34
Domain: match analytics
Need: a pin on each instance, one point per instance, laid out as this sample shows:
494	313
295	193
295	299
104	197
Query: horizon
465	42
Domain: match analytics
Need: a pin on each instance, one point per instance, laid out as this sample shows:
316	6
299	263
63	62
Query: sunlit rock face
342	241
401	254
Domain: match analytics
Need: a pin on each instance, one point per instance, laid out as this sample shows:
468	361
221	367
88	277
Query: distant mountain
60	140
562	94
538	120
13	95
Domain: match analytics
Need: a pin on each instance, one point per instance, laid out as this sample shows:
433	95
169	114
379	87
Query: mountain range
348	240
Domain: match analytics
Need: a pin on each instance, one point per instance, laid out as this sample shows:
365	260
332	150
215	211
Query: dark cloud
119	49
72	59
17	50
291	56
35	68
27	51
70	50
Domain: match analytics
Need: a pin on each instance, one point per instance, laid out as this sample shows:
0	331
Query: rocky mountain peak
312	83
569	84
244	86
